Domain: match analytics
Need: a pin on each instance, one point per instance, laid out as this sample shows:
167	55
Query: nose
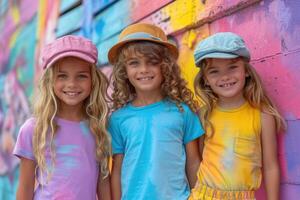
144	68
225	76
71	83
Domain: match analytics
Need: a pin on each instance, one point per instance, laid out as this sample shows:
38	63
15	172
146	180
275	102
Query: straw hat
141	32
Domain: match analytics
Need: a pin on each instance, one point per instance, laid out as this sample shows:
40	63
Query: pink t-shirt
76	170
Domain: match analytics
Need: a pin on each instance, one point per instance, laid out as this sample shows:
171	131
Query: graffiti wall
270	28
16	73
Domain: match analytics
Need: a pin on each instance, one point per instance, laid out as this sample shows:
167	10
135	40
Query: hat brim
112	53
216	55
76	54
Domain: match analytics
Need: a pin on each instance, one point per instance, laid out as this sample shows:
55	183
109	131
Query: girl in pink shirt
64	149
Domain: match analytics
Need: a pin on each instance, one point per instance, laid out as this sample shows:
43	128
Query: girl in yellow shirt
241	123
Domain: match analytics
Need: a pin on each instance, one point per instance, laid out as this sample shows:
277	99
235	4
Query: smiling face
226	77
73	82
144	74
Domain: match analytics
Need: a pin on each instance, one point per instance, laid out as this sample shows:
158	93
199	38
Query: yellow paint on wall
187	45
42	11
48	13
183	13
15	13
186	62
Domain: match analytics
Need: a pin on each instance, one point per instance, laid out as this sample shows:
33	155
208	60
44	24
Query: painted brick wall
270	27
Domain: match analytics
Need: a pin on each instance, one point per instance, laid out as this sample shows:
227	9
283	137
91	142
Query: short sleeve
117	140
192	126
23	147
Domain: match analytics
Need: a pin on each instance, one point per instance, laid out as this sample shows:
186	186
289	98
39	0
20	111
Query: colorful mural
17	25
270	28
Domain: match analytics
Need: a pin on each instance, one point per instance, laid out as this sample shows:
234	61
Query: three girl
154	127
64	149
240	120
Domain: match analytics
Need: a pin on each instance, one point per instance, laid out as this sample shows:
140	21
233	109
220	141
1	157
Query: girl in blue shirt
154	127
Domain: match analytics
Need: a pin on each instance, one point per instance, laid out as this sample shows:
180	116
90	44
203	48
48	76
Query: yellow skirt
202	192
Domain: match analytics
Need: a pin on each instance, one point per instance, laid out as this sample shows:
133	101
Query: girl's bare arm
271	171
116	177
25	189
104	191
192	161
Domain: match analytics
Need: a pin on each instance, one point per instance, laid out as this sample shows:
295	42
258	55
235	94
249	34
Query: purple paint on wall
28	9
280	76
286	13
262	43
291	164
290	192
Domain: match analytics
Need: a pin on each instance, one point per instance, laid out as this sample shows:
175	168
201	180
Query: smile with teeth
146	78
72	94
225	85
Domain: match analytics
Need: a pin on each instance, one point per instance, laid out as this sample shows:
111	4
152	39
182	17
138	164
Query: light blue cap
221	45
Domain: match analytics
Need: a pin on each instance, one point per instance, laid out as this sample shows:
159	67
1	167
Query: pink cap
69	45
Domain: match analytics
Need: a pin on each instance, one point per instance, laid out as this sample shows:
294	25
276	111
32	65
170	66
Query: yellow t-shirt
232	157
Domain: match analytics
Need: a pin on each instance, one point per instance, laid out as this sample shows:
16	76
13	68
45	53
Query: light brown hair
173	86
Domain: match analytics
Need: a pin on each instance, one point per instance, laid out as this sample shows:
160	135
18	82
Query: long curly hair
45	108
253	92
173	85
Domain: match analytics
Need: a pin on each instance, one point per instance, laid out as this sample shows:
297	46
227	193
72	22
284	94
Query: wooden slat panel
103	48
66	4
70	21
100	4
121	14
111	21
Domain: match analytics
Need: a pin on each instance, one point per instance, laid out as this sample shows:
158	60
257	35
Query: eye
212	71
132	63
233	67
153	62
83	76
62	76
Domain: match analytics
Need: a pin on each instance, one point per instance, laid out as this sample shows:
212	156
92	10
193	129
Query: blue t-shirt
152	139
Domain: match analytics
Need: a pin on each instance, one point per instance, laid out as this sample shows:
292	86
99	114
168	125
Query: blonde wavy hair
45	109
254	93
173	86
